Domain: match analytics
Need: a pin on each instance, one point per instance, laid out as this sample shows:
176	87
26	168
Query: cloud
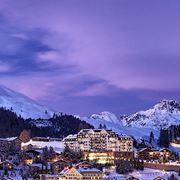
5	67
95	49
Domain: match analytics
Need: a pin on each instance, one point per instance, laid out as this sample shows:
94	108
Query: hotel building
101	144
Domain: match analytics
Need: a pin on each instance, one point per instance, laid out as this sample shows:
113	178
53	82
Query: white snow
146	174
58	146
22	105
162	115
112	122
8	139
175	148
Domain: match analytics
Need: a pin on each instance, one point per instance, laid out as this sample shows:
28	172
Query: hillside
60	125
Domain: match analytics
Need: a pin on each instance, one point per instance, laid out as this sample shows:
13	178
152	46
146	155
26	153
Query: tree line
61	125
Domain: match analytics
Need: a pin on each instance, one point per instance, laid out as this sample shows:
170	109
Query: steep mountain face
162	115
22	105
104	118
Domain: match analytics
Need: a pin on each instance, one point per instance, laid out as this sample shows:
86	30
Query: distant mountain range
162	115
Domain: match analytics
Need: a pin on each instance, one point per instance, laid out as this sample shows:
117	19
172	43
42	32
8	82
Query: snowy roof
164	149
7	161
124	135
8	139
91	170
58	146
79	163
36	165
71	136
143	149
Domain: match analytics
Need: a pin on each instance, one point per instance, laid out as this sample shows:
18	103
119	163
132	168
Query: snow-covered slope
22	105
112	122
104	118
162	115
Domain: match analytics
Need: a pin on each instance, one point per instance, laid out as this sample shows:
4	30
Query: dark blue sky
84	57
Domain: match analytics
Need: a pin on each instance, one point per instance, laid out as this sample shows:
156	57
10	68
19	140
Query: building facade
154	154
75	174
101	144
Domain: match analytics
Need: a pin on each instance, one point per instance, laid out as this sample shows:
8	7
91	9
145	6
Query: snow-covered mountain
112	122
22	105
105	117
162	115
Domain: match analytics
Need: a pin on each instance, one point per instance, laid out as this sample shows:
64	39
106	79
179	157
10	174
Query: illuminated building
75	174
100	144
153	154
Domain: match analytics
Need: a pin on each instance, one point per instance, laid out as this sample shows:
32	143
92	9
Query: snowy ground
147	174
58	146
175	148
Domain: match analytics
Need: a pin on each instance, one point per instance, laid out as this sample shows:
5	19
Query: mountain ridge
162	115
22	105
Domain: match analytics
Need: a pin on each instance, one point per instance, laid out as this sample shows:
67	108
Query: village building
58	166
154	154
75	174
6	165
10	144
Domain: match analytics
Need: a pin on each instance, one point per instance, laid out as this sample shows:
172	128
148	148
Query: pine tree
104	127
100	126
151	137
164	138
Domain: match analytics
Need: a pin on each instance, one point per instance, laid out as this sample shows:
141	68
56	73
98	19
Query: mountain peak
168	105
162	115
106	116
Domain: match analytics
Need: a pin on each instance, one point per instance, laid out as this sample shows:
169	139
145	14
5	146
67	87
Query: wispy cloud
94	49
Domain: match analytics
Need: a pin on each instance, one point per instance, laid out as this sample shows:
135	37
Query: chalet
75	174
71	173
165	153
91	173
147	154
27	159
153	154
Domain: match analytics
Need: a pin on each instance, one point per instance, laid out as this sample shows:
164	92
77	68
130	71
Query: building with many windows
101	144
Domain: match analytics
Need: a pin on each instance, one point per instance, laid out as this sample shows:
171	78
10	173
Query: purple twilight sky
87	56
